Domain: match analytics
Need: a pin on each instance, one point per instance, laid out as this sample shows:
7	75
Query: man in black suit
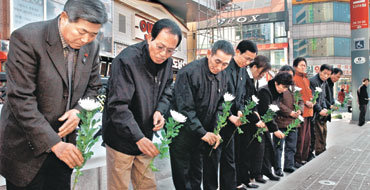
198	94
319	133
138	95
363	100
245	53
50	66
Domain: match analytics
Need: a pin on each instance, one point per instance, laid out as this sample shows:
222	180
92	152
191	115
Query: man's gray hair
90	10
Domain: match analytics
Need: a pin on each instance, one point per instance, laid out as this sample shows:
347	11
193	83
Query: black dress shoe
289	170
310	157
260	180
272	177
279	173
297	165
251	185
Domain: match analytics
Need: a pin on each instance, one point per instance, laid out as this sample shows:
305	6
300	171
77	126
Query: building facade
261	21
320	32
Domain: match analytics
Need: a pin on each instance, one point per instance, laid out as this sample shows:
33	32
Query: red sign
359	14
143	27
146	27
272	46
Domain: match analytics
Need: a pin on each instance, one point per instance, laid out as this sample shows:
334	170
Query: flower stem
142	176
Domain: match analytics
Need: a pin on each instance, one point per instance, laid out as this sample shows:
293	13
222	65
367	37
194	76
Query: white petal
255	99
337	102
301	118
274	107
89	104
178	116
297	89
318	89
228	97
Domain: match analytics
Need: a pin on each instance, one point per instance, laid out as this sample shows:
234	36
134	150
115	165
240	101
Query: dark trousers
227	160
249	155
54	174
303	141
361	119
186	165
290	142
320	136
210	167
312	145
225	156
268	155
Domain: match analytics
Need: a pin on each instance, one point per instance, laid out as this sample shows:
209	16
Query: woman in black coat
271	94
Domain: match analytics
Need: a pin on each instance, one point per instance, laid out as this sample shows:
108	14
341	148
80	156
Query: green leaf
259	138
240	131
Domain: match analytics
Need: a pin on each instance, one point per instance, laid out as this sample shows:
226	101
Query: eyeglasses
247	58
162	48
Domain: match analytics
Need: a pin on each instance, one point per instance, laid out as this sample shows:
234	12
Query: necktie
70	61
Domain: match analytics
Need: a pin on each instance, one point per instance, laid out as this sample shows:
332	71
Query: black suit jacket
37	95
362	95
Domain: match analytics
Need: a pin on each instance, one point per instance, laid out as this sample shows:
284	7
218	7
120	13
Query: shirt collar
301	74
251	77
249	72
64	43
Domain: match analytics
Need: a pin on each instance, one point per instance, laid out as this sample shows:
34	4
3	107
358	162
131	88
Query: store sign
26	11
359	14
297	2
143	27
272	46
178	63
252	19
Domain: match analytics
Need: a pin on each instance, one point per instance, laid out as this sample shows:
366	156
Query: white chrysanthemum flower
228	97
89	104
255	99
296	88
301	118
178	116
318	89
274	108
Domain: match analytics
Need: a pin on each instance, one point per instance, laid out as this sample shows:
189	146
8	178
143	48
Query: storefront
133	22
262	23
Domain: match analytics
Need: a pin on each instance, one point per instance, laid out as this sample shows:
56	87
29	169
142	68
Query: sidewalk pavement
344	165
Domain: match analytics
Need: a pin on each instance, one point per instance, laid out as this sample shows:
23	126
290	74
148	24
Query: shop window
342	47
259	33
122	23
342	12
321	12
322	47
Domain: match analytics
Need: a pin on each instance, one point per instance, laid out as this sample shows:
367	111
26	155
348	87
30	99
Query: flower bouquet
85	133
222	119
269	116
318	90
173	125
